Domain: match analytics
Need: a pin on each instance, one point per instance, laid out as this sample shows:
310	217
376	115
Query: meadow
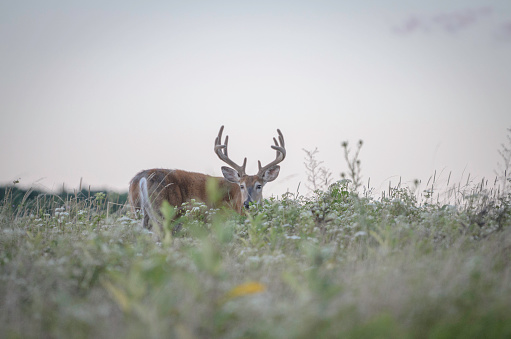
338	263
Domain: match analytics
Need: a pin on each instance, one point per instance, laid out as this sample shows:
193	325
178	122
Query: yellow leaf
245	289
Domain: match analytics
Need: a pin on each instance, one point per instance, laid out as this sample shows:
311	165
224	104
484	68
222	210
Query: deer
238	191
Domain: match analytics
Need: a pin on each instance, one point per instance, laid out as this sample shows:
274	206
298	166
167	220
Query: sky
97	91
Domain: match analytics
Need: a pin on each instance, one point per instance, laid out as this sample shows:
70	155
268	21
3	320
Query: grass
334	265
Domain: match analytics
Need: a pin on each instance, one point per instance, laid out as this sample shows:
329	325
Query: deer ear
230	174
271	173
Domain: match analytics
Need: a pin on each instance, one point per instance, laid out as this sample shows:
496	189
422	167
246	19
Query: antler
281	154
221	151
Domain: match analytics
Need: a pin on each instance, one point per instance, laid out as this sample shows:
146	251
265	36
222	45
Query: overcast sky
100	90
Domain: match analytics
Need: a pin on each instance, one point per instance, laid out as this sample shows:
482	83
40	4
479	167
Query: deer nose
246	204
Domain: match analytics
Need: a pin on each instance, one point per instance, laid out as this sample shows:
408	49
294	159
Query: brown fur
178	187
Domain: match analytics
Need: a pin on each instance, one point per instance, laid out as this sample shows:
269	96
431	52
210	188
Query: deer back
178	187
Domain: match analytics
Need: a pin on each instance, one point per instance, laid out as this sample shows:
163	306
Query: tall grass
335	264
419	262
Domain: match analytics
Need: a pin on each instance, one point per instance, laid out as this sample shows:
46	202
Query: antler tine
221	152
281	138
280	148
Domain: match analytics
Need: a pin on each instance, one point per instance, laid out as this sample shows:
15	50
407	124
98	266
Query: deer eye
259	187
242	187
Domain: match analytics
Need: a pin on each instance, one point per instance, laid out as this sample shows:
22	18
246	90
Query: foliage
28	198
319	177
504	172
332	265
354	164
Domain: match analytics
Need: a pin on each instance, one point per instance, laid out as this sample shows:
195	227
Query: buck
149	188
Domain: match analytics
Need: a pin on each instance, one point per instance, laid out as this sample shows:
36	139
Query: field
337	264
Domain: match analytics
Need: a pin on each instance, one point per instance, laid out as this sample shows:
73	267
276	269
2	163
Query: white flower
254	259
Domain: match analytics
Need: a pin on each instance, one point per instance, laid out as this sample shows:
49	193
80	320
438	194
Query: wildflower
251	287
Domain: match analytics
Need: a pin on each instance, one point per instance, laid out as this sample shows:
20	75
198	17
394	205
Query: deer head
251	186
